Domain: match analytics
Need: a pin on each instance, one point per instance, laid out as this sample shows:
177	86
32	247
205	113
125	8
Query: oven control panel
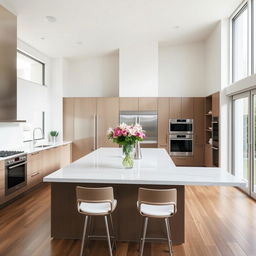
16	160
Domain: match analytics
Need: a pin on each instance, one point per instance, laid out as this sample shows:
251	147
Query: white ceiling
106	25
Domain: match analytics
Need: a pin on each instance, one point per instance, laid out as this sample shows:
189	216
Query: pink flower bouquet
127	136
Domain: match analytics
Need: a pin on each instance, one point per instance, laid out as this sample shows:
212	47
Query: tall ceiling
95	27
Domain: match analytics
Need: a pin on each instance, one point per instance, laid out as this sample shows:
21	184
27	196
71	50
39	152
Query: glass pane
241	132
240	45
30	69
254	153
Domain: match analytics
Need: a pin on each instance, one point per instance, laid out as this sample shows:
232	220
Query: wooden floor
219	221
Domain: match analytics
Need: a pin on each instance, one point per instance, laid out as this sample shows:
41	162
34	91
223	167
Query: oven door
181	145
178	126
15	176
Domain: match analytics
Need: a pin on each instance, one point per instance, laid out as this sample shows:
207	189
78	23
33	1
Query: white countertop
32	150
156	168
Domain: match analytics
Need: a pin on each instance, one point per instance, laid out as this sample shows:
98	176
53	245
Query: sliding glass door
253	172
241	132
244	139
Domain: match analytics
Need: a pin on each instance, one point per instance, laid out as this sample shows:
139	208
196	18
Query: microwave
181	126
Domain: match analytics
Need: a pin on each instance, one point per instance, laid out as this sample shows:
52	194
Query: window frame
38	61
250	63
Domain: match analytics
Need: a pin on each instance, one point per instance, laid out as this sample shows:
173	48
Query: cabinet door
175	108
187	107
84	127
216	104
2	181
65	157
163	118
68	119
148	104
199	131
34	169
107	116
48	161
129	104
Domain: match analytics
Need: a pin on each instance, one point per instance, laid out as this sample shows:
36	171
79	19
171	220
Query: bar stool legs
168	231
144	236
85	239
108	235
114	231
84	235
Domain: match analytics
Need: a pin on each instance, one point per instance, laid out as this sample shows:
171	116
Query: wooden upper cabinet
68	119
175	108
216	104
148	104
107	116
128	104
163	118
187	107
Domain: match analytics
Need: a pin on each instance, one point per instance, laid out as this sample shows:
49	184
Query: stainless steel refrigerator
148	121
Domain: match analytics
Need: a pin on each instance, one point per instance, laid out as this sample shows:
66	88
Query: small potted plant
54	135
127	136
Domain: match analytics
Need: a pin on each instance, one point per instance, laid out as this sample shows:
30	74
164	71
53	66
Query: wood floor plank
220	221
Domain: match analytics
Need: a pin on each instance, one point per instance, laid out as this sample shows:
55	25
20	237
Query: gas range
6	153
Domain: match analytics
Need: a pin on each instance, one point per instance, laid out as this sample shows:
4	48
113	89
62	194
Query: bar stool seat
97	208
93	202
156	203
157	210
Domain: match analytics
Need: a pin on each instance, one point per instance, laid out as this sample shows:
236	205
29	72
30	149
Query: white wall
213	61
138	70
182	70
32	99
92	77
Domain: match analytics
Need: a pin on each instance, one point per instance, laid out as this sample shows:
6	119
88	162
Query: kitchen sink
43	146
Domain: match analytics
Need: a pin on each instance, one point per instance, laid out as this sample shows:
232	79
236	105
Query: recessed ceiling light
79	42
51	19
42	38
176	27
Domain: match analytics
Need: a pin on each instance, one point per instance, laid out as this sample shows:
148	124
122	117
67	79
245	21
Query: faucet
34	140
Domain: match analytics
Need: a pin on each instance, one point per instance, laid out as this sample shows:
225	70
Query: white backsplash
10	136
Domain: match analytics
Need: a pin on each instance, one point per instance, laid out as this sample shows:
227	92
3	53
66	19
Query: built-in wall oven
181	126
181	144
15	173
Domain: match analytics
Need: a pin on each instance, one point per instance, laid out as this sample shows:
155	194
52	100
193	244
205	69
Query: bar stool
96	202
156	203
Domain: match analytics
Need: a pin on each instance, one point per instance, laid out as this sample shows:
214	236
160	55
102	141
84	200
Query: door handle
34	174
17	165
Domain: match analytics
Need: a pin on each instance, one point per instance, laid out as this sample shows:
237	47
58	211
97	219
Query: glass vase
127	161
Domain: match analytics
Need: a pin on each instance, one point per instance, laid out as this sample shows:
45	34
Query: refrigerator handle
97	123
94	132
138	120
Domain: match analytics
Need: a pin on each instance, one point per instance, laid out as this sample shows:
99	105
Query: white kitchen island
103	167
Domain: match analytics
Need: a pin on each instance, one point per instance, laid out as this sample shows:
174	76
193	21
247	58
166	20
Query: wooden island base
67	223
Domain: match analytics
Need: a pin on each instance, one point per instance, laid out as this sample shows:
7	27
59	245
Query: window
30	69
240	39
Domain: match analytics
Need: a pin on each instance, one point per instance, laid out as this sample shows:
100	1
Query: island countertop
104	165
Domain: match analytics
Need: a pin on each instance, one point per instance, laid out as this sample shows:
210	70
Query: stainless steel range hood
8	70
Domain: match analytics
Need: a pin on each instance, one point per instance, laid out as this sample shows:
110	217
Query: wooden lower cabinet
183	161
34	169
39	164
